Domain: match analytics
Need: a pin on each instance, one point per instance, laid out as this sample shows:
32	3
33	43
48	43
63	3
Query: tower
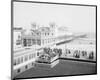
34	26
52	27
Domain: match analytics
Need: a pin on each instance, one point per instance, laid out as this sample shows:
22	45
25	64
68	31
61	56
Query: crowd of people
80	53
48	54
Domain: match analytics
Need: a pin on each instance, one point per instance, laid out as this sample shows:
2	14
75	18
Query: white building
17	38
23	60
31	42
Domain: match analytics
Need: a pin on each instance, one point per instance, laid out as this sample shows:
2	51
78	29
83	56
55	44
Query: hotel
27	43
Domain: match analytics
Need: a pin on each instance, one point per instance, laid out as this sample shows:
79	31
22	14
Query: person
84	53
91	55
76	54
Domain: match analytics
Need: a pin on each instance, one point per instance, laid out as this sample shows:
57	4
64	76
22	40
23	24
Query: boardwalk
65	67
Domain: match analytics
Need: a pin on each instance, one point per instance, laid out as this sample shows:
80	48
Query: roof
16	28
44	29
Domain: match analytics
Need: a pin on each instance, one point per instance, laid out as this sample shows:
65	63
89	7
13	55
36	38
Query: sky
75	18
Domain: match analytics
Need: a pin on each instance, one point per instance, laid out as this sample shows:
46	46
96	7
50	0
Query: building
30	38
42	36
23	59
17	38
47	36
27	45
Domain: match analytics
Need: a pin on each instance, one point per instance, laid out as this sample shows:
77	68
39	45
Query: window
33	41
21	59
18	61
30	56
18	42
38	53
29	42
38	41
18	70
14	62
45	34
38	33
25	42
26	58
32	64
26	67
